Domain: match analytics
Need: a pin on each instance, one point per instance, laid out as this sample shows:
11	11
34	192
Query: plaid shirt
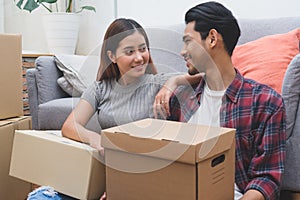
258	115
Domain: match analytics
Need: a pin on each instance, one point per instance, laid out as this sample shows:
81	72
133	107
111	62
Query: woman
127	82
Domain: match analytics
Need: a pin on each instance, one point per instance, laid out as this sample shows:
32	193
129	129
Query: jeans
47	193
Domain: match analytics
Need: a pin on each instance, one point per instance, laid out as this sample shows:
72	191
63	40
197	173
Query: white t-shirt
209	111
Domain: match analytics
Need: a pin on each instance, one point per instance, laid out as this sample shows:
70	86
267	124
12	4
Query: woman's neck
124	80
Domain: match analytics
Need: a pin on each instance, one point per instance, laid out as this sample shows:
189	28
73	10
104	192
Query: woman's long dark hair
117	31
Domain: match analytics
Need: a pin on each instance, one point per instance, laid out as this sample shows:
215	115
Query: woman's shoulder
101	86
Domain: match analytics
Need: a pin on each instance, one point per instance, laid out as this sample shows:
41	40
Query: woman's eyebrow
132	47
128	47
143	44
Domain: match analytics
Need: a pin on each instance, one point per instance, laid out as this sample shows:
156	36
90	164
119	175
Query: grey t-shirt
118	104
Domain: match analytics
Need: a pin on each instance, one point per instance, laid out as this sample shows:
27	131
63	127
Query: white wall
30	25
1	16
163	12
146	12
93	25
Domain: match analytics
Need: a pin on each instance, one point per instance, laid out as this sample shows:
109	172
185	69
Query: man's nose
183	52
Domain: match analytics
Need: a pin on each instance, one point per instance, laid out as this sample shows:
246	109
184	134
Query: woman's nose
138	56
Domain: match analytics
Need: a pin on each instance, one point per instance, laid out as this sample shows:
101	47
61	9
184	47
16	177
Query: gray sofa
50	105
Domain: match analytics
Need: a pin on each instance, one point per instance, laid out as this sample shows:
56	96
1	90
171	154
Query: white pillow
67	87
79	71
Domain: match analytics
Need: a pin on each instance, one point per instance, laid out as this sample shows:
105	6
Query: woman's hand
95	142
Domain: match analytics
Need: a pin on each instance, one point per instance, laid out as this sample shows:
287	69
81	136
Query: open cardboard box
70	167
11	187
158	159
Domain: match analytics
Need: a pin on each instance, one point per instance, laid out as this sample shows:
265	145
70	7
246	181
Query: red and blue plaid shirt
257	113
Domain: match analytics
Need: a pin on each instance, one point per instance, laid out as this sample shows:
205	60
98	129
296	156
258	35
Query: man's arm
162	98
267	164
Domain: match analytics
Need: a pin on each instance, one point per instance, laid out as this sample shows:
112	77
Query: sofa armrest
291	96
46	80
42	85
32	96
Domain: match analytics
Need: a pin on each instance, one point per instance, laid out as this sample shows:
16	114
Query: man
225	98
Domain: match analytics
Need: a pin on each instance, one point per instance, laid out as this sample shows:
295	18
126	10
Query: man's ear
213	37
111	56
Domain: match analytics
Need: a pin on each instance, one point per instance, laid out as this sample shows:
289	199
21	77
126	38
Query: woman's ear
111	56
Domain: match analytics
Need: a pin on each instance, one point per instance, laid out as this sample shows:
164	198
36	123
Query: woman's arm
74	126
162	98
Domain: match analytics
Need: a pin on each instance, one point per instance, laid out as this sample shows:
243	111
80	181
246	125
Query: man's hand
161	102
253	195
103	197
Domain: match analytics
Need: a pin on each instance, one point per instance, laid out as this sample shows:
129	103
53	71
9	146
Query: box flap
168	139
4	123
55	136
16	120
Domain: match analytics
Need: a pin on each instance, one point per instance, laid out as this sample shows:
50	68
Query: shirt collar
234	89
199	88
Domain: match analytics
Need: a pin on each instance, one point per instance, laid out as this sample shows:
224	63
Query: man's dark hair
213	15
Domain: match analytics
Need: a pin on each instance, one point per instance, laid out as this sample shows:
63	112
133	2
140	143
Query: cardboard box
11	188
158	159
70	167
11	104
295	196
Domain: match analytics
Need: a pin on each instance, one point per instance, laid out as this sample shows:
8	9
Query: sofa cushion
53	114
266	59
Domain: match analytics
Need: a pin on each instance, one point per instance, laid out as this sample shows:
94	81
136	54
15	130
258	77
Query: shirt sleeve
161	78
268	163
93	94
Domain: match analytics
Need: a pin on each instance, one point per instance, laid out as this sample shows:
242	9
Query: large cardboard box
158	159
11	103
70	167
11	188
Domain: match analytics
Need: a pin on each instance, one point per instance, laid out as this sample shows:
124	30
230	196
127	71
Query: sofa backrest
165	47
166	41
252	29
